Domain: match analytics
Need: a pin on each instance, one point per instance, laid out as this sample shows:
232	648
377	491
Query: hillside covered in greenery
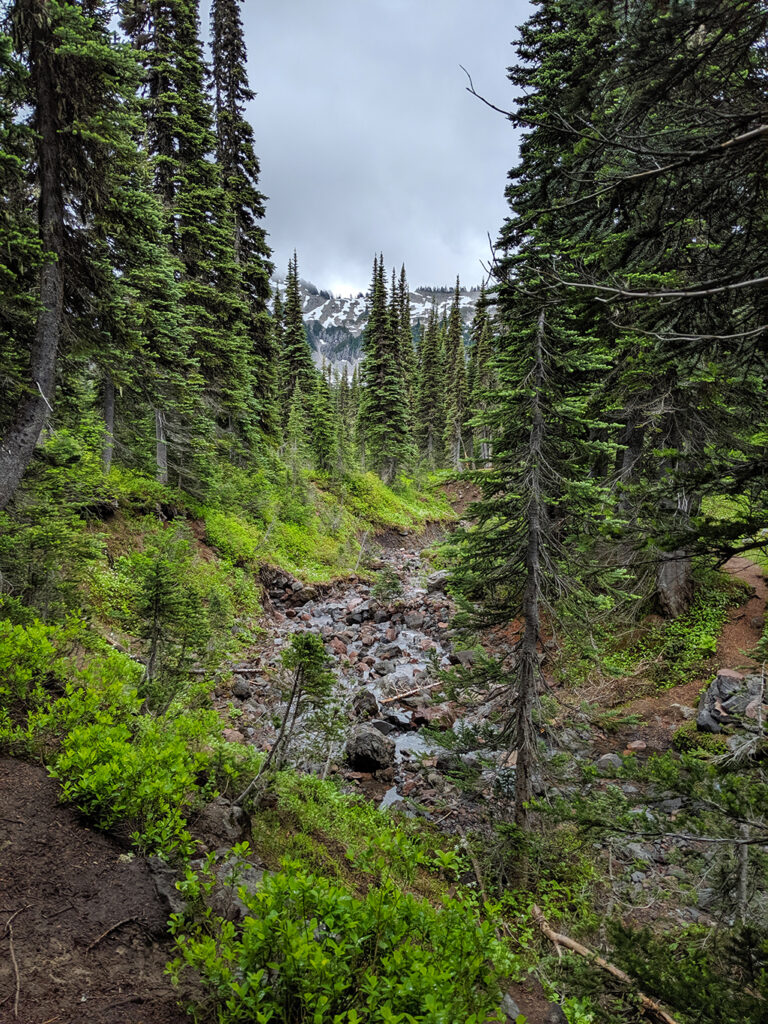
425	695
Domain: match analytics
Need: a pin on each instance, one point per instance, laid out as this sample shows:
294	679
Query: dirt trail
662	712
67	886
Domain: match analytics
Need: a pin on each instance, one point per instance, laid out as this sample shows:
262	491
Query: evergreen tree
182	144
383	403
323	426
240	176
430	398
456	386
518	561
297	368
406	355
69	72
480	380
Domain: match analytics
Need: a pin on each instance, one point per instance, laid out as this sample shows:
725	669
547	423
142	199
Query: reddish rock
437	716
232	736
352	656
338	646
637	745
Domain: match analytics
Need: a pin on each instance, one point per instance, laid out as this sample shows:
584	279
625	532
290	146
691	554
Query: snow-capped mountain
335	324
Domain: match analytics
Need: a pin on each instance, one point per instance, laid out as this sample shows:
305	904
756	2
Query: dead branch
472	92
109	931
721	150
9	930
695	292
410	693
649	1006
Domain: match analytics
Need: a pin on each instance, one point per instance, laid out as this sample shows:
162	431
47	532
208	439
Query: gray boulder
713	712
240	688
364	704
609	762
437	581
368	750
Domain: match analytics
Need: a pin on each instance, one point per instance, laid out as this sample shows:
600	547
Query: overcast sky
368	140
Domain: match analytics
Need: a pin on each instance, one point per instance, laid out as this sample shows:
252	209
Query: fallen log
410	693
648	1005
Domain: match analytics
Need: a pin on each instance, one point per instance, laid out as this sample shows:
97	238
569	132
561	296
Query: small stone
510	1007
437	581
384	727
414	619
240	688
338	646
637	745
608	762
232	736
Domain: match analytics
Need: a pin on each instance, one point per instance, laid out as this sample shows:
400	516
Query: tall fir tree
480	380
430	396
89	250
183	144
240	178
383	404
296	366
406	355
456	386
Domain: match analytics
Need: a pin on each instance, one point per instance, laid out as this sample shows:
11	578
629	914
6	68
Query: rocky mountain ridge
335	324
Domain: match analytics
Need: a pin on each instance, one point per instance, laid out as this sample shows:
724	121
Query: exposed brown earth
62	888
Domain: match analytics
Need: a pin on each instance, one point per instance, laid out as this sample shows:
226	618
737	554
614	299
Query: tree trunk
528	665
161	448
18	444
108	405
674	583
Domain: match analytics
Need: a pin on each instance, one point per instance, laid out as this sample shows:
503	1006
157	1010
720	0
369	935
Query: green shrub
310	950
688	739
387	586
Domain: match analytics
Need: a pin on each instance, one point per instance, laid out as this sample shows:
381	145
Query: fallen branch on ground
410	693
9	930
648	1005
109	932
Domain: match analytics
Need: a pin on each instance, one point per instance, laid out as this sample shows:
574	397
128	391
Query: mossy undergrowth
664	653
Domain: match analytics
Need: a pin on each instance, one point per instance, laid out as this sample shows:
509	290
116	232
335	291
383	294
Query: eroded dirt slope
66	886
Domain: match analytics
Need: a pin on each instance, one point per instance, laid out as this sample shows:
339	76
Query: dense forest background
168	442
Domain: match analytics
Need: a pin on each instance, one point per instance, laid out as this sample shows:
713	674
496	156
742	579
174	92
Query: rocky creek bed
405	745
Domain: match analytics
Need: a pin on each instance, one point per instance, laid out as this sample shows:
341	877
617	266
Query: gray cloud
368	139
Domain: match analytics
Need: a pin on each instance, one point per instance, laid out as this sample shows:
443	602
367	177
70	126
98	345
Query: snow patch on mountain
335	324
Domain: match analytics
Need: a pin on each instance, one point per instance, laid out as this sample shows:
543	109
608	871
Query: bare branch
472	92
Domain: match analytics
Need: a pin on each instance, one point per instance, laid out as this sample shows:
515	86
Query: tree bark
108	405
161	448
528	664
21	437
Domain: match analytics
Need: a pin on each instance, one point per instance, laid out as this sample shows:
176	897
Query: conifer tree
240	178
430	397
456	386
383	404
76	75
323	426
480	379
296	363
406	356
517	561
182	143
